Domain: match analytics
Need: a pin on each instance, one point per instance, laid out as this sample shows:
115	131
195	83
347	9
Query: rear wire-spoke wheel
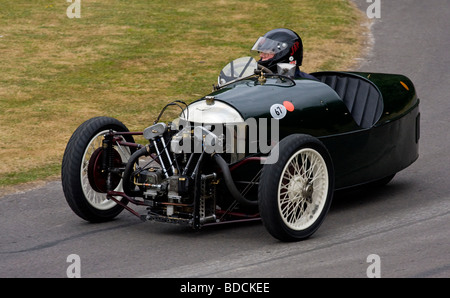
296	192
83	182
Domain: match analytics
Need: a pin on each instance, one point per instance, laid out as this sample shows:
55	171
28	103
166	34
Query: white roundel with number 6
278	111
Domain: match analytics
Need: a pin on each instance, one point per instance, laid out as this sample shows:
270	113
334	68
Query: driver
281	46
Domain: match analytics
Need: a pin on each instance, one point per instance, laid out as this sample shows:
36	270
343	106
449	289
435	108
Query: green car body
362	151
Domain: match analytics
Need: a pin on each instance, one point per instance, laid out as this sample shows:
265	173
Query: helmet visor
269	46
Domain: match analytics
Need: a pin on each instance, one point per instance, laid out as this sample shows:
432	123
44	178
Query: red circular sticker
288	105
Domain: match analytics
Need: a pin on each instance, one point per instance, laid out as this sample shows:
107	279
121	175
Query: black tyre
82	184
295	193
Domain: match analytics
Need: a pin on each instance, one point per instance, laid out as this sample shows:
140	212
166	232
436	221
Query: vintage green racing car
262	146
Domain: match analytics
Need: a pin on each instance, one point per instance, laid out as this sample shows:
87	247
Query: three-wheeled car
261	146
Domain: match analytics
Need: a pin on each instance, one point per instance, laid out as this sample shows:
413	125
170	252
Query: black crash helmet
284	43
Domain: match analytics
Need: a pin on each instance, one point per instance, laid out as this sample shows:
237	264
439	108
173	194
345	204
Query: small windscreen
239	68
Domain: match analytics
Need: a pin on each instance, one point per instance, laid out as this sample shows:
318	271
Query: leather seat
362	98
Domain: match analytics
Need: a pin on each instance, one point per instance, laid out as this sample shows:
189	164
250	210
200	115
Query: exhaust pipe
230	183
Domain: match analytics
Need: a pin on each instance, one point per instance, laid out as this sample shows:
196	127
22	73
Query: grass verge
127	59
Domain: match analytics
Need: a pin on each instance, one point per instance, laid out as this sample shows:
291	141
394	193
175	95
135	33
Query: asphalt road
405	223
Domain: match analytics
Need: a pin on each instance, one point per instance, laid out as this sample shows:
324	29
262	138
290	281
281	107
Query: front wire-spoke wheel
303	189
296	192
83	179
